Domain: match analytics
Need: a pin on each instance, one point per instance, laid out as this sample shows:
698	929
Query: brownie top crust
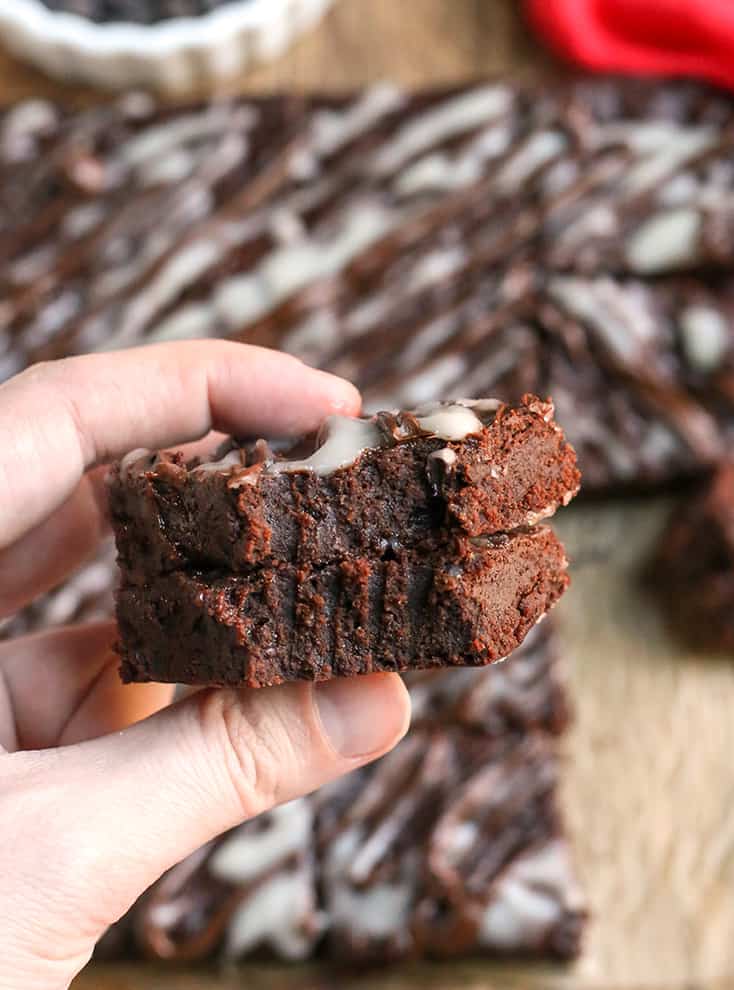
370	485
341	441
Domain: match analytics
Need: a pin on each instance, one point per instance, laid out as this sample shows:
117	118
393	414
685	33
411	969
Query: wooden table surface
649	778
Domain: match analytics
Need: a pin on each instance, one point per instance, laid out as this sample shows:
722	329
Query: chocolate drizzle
441	243
422	853
415	864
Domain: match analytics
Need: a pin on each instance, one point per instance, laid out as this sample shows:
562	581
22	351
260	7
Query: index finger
60	418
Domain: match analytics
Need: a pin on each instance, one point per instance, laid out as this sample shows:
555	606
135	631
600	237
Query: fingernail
363	715
343	397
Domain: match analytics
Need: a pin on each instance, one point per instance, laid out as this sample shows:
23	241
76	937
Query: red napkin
655	37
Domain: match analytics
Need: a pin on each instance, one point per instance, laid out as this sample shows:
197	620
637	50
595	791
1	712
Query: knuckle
244	742
49	374
38	373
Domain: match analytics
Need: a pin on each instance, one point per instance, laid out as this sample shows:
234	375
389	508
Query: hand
104	787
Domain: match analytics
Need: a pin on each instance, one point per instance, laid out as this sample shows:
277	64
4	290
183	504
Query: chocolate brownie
469	606
364	487
692	571
449	845
479	761
251	890
384	234
529	693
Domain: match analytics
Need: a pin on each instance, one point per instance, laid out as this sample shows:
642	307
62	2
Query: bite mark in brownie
362	615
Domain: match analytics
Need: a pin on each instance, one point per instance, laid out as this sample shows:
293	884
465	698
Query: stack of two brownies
403	541
407	540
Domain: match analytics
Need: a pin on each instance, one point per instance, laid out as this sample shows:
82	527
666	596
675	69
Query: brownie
252	890
415	610
364	487
692	570
449	845
480	760
529	693
384	234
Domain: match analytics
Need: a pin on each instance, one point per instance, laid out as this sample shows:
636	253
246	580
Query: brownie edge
691	572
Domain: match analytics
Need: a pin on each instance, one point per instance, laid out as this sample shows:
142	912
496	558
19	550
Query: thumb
90	826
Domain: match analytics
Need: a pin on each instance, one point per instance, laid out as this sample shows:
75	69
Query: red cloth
658	37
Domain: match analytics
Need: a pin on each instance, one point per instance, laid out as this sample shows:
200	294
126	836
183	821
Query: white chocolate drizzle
705	336
529	898
450	422
245	855
455	116
666	241
230	460
446	455
344	439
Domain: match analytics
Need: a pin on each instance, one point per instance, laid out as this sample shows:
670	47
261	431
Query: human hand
103	786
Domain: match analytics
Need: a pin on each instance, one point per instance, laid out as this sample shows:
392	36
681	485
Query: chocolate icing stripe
433	887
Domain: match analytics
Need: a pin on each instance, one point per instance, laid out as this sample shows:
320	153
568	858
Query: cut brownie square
528	693
692	571
640	373
451	844
371	485
251	890
483	863
468	607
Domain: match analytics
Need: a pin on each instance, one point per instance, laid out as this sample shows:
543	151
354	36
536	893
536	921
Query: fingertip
343	397
400	700
363	717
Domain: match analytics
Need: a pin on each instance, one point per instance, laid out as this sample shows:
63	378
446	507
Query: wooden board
649	779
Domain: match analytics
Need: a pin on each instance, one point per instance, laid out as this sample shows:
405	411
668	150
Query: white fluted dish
175	56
